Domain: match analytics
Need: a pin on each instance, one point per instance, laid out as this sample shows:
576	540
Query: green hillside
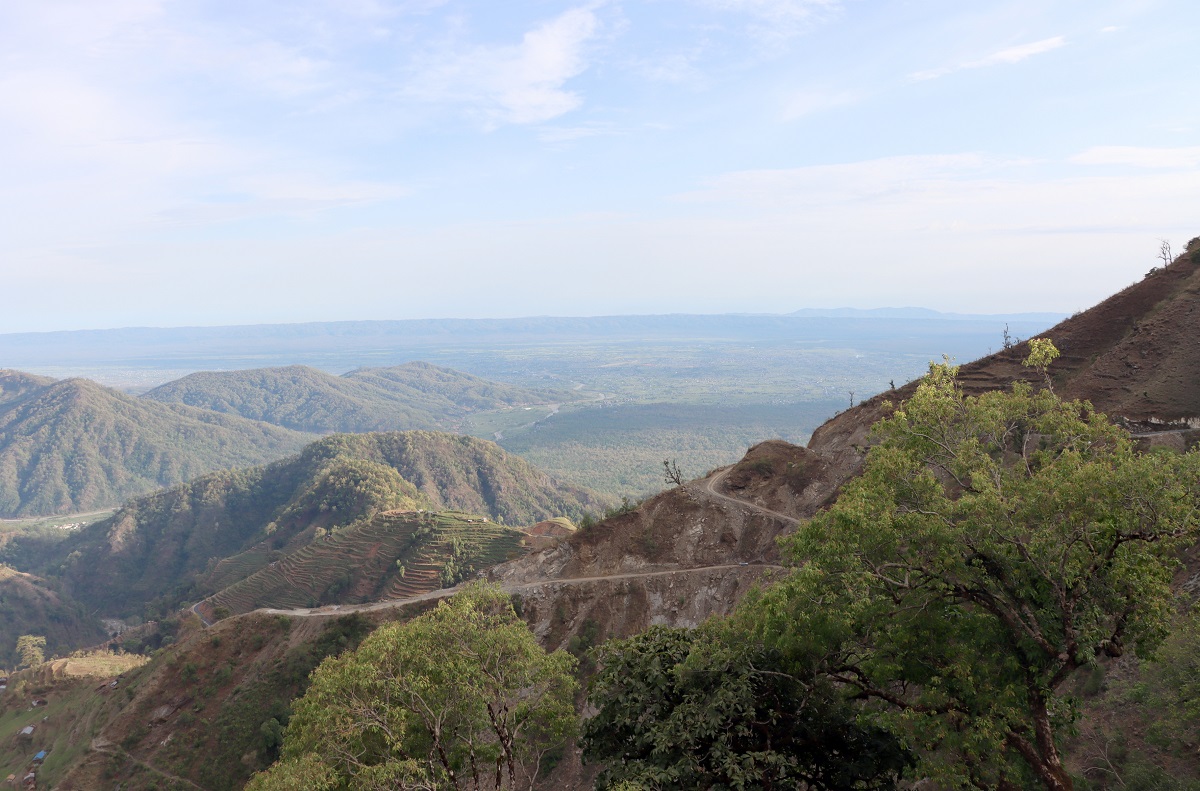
29	606
17	385
393	555
411	396
166	548
73	445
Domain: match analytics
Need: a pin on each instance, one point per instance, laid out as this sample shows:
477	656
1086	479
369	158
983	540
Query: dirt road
709	489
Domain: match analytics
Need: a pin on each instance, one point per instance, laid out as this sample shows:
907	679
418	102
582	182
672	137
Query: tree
1164	252
459	698
32	649
672	473
992	547
690	709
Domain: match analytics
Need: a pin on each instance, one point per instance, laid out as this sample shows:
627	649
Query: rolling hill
411	396
168	547
29	606
74	445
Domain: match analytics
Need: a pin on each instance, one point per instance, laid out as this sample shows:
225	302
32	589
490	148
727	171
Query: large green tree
992	547
462	697
32	649
692	710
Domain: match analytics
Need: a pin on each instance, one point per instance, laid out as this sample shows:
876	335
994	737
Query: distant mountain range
925	313
344	345
415	395
74	445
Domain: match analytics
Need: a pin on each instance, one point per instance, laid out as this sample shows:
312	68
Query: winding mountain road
338	609
709	489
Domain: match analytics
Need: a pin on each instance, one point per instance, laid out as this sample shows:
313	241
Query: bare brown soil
1135	356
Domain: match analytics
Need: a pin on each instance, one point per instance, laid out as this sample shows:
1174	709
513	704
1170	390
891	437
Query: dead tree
1164	252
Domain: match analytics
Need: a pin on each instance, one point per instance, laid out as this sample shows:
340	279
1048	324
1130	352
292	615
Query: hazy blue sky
174	163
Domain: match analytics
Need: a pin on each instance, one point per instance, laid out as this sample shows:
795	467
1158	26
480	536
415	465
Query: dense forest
74	445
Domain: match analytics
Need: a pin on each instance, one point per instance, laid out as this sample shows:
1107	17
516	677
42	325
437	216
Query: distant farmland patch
619	450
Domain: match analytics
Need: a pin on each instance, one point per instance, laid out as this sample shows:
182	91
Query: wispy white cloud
1178	158
1008	55
93	150
778	18
517	84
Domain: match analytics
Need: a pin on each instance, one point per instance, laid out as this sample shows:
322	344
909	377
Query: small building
37	702
41	756
26	731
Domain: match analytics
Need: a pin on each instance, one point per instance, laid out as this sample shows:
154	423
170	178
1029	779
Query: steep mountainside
156	547
74	445
411	396
1135	356
29	606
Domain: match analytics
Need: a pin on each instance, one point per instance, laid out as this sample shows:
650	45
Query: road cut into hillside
709	489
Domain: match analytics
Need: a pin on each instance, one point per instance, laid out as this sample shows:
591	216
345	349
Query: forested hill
74	445
411	396
17	385
28	606
154	548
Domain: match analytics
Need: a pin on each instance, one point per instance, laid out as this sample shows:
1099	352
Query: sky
202	163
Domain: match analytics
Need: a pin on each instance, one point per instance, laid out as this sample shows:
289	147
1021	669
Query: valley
234	585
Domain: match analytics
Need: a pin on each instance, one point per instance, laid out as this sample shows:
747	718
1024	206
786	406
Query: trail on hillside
709	489
443	593
106	747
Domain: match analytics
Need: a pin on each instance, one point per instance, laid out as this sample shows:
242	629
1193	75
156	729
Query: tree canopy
992	546
32	649
459	698
692	709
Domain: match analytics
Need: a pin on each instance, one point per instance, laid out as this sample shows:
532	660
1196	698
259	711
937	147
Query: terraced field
393	555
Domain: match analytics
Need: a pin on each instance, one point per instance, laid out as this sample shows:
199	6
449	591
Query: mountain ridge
156	548
415	395
74	445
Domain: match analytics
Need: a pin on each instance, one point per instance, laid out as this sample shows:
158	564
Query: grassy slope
29	606
411	396
76	710
75	445
212	693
